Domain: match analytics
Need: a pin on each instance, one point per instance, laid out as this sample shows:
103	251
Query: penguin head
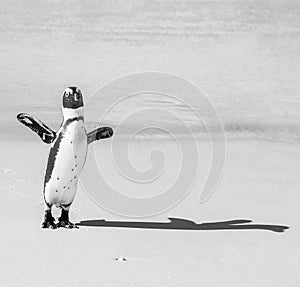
72	98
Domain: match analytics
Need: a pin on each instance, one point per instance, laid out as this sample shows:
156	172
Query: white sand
245	55
260	183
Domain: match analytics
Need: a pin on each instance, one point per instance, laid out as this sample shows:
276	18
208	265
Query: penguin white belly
67	158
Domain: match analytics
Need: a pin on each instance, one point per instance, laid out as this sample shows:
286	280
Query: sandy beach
259	185
243	55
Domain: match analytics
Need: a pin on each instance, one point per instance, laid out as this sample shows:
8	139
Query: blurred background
245	55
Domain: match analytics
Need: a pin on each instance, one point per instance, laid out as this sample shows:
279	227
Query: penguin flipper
100	133
45	133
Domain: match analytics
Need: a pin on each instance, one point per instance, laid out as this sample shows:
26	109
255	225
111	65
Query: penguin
67	155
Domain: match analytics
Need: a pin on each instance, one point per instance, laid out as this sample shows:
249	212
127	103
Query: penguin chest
66	160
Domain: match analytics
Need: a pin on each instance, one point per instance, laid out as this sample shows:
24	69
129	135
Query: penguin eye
76	97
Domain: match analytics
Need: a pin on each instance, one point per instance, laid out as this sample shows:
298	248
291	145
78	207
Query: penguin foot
49	221
63	220
49	224
66	224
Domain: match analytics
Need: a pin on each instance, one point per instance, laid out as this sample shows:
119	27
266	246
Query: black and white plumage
67	155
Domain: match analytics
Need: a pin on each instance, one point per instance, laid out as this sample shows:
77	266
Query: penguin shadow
185	224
